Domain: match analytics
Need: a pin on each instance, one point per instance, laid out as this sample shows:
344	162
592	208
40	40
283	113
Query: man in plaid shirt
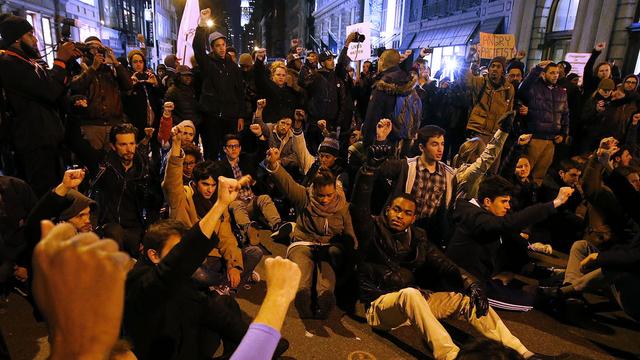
428	179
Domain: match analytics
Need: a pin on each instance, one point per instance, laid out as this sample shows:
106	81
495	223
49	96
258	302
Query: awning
407	39
445	36
491	26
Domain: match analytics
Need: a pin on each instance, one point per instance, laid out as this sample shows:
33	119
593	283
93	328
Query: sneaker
283	232
221	289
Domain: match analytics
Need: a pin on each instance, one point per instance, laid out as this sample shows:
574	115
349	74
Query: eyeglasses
233	146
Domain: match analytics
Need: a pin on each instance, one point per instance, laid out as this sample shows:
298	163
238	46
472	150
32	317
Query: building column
618	48
521	23
589	30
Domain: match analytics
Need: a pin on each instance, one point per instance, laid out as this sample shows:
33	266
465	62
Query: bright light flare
451	64
210	23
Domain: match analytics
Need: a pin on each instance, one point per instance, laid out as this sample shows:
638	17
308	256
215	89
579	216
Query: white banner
360	51
187	31
577	61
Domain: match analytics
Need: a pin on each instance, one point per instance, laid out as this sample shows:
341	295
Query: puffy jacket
490	102
388	264
223	92
184	99
548	107
390	84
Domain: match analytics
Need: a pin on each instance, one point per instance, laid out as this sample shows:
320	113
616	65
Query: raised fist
256	129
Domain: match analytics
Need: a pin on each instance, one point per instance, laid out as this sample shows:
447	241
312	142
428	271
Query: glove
377	154
506	121
479	300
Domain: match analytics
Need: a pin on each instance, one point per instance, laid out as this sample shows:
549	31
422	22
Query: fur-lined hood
395	81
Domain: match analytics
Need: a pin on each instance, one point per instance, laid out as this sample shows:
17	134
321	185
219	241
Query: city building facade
116	22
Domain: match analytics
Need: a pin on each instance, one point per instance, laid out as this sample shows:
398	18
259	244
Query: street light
210	23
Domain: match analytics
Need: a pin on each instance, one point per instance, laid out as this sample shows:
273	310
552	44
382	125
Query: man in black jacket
165	316
223	91
481	225
128	195
391	250
34	125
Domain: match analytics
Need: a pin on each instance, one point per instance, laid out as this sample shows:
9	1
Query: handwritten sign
492	45
577	61
360	51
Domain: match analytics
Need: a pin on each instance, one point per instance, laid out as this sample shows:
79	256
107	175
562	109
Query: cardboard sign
577	61
360	51
492	45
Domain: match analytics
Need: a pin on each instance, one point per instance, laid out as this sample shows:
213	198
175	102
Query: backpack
407	114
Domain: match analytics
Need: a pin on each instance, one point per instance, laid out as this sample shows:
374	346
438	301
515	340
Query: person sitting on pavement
391	250
226	266
323	236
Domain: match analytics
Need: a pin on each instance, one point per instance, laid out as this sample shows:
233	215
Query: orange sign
492	45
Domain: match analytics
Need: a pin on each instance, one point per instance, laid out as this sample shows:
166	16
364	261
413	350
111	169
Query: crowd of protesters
421	197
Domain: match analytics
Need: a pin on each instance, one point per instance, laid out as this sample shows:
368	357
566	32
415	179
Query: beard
29	50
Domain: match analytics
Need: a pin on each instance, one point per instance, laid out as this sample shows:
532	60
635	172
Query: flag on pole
188	26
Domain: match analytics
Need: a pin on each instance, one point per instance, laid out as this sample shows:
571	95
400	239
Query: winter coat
281	101
223	93
548	114
392	84
326	93
288	157
125	196
163	311
490	102
478	234
186	104
387	264
310	226
34	121
137	102
182	208
103	89
16	202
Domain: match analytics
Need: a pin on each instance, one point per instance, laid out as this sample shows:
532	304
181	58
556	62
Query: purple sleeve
258	343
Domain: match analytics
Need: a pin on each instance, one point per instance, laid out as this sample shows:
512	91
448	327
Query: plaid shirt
428	189
245	193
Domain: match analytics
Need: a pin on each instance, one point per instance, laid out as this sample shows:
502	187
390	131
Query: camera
142	76
359	37
86	49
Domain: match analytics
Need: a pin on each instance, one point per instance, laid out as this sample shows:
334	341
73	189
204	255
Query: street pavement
611	336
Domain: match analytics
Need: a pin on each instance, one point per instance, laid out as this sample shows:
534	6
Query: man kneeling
392	249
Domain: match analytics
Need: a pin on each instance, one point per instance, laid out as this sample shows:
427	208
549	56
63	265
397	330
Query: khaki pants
541	156
592	280
243	211
409	307
97	136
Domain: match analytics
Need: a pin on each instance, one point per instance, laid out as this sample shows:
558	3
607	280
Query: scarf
338	202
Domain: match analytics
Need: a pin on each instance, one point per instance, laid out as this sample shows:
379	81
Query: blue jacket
548	107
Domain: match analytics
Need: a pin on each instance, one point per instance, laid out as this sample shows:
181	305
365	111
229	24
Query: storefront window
48	40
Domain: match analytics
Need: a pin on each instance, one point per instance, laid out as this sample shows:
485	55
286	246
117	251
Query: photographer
102	82
142	102
34	126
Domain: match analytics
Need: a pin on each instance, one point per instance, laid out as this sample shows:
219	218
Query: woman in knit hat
143	102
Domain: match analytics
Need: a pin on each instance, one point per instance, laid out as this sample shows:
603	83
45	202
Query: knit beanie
245	59
500	59
516	65
329	146
79	202
12	28
188	123
135	52
566	65
215	36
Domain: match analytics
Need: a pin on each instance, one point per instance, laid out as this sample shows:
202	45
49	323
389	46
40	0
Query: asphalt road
611	335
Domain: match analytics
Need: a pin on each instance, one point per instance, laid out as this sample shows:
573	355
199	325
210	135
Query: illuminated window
564	17
47	37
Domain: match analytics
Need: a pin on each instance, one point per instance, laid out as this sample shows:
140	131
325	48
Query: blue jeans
213	270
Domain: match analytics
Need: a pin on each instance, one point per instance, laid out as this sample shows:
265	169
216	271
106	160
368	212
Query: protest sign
492	45
360	51
577	61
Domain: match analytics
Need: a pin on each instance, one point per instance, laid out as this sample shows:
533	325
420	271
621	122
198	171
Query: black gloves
377	154
479	300
506	121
